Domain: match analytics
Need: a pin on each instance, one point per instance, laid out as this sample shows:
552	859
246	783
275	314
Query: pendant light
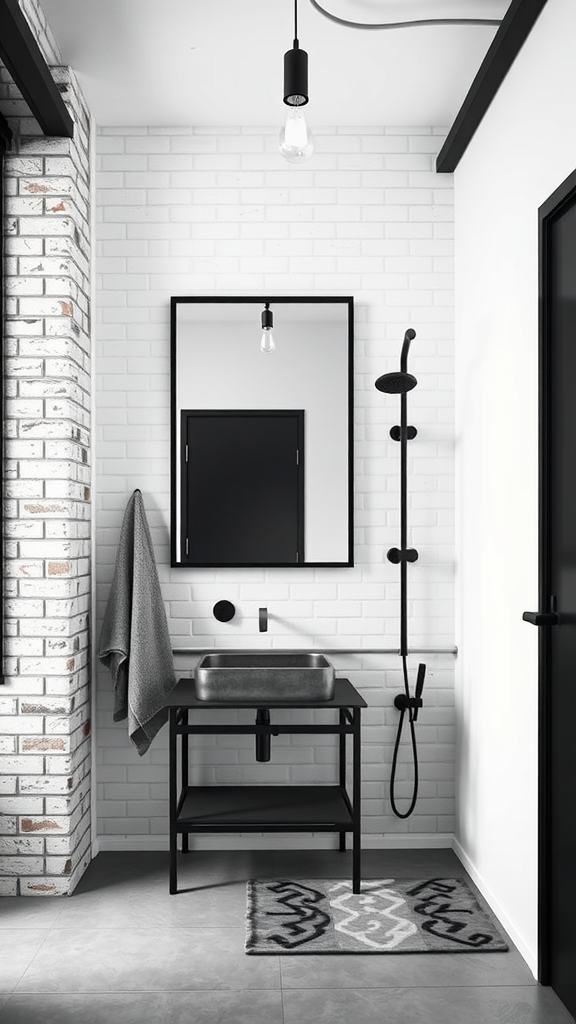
267	343
296	142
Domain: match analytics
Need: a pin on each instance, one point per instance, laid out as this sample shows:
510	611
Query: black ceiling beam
506	45
5	133
23	58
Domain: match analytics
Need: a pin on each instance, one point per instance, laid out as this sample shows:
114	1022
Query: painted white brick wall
44	704
217	212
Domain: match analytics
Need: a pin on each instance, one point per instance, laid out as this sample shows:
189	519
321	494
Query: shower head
396	383
399	382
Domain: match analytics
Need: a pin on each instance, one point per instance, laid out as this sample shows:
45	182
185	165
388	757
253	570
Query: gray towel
134	642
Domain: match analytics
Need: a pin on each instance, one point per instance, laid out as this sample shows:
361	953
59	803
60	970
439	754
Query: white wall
524	148
217	211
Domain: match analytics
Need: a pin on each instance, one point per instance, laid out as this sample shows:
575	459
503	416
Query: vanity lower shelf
264	809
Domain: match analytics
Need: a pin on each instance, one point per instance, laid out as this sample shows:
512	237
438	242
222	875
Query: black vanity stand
305	808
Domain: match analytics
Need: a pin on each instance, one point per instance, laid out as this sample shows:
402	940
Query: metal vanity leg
356	833
184	740
172	799
342	762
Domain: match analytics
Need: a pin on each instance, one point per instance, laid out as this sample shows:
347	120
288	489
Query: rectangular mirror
261	431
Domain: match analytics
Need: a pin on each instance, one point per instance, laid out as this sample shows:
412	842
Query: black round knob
224	611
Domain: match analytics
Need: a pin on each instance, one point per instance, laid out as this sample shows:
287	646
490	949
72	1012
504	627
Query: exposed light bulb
267	343
296	140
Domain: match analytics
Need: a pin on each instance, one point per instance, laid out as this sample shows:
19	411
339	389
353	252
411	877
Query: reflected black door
558	592
243	500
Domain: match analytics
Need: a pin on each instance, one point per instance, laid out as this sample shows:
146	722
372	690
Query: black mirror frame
260	300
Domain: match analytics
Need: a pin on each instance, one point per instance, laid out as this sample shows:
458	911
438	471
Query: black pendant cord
295	22
404	24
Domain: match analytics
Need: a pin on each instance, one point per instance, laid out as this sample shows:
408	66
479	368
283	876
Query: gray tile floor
122	950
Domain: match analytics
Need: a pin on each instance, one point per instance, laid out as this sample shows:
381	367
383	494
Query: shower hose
407	705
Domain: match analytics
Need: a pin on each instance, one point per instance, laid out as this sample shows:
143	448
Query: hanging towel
134	641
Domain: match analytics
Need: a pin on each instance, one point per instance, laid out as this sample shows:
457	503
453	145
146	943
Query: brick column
44	705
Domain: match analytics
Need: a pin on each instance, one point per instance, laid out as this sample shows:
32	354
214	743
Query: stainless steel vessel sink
265	676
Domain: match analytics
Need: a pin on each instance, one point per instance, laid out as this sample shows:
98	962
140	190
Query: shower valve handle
402	702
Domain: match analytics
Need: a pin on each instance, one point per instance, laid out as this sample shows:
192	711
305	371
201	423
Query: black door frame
563	195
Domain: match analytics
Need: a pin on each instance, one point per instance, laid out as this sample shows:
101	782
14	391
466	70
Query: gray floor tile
312	864
404	970
19	947
122	949
531	1005
30	911
110	872
375	863
411	863
229	863
206	1007
122	959
198	866
212	904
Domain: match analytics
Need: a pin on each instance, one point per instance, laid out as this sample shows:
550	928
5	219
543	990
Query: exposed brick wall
217	211
44	706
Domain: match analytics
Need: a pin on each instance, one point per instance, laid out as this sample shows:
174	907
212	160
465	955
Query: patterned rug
390	915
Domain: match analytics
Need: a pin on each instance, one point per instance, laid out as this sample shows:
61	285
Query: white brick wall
44	705
217	211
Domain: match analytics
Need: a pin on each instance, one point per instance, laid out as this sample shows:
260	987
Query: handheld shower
400	383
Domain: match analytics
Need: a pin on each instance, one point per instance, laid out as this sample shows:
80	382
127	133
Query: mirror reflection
261	431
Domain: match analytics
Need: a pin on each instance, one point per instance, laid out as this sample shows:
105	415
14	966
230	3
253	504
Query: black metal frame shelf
218	809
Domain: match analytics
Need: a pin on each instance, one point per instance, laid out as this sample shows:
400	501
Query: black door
243	493
558	593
